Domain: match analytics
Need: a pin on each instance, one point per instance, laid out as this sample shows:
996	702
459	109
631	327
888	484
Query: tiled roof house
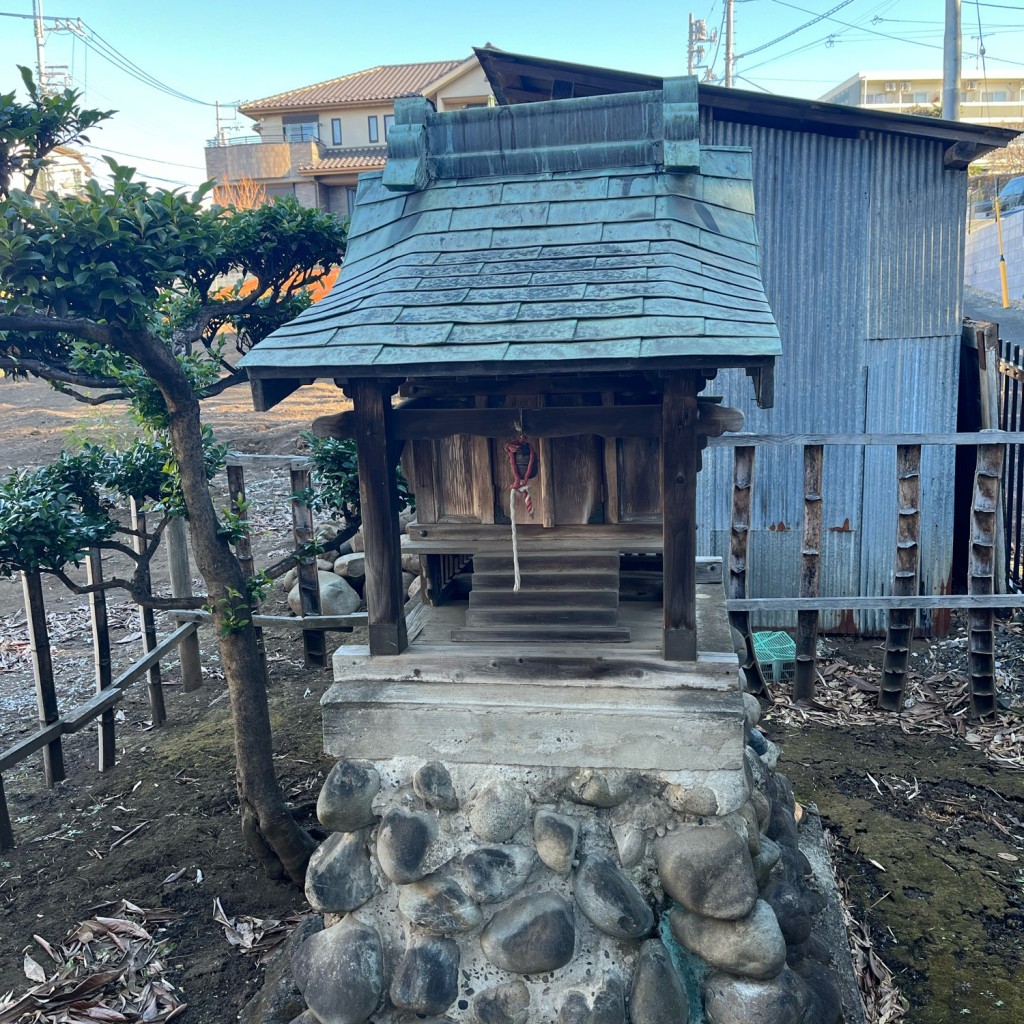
313	142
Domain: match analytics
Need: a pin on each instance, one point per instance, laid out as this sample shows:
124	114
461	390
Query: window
336	131
999	96
389	123
371	123
300	127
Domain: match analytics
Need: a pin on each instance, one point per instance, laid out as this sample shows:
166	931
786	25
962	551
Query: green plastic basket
776	654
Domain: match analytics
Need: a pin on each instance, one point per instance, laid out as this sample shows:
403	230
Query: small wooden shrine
547	289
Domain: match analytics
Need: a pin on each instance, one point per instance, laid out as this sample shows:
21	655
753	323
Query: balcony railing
267	137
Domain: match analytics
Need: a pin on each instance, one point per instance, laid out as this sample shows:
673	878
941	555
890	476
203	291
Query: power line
101	150
793	32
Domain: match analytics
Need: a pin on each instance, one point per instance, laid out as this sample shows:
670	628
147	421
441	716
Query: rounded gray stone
824	1005
338	877
508	1003
607	1005
336	596
610	900
499	811
762	806
751	709
793	910
599	789
707	868
345	973
351	566
494	873
752	947
699	801
630	844
766	860
729	1000
657	995
426	980
433	785
533	935
403	839
344	803
438	904
555	836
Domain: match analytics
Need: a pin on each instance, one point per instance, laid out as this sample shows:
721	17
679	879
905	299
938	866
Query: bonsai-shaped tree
116	294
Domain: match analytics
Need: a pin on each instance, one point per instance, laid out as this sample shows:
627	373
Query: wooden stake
314	641
101	657
42	668
807	621
6	831
147	623
181	586
739	539
899	631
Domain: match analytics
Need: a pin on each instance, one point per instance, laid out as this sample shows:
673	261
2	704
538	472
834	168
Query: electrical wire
101	150
793	32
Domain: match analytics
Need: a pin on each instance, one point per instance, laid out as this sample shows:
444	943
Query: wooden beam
17	752
960	154
335	623
101	656
147	622
267	391
679	450
314	644
378	490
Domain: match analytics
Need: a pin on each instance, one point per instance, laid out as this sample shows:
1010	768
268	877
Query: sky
202	52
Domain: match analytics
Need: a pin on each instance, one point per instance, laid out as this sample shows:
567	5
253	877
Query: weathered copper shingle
386	82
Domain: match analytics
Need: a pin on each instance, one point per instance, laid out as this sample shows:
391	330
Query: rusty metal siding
846	258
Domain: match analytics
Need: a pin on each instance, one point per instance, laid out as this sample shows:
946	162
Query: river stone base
504	894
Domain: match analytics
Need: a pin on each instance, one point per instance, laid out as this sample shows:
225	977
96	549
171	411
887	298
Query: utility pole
728	44
697	39
951	63
37	15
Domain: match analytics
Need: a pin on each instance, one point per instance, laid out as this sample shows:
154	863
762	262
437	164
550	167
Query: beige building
992	100
313	142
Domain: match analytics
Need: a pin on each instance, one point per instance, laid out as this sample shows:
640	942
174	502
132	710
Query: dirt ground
929	829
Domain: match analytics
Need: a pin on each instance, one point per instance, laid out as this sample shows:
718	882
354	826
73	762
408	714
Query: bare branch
235	377
79	327
140	597
282	565
110	396
55	374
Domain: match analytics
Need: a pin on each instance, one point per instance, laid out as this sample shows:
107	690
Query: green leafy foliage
29	132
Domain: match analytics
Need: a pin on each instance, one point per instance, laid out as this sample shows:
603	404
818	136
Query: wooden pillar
6	831
899	630
378	492
314	641
807	621
101	657
147	623
679	448
42	667
180	569
739	544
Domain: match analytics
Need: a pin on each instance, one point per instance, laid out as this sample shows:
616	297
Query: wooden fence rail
53	725
981	601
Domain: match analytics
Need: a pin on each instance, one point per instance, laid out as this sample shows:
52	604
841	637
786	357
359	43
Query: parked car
1011	198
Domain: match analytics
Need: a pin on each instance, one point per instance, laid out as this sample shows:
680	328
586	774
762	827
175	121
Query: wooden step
529	597
546	581
547	561
530	615
542	634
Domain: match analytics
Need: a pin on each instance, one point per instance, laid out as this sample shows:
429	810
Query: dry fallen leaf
876	864
33	971
1007	856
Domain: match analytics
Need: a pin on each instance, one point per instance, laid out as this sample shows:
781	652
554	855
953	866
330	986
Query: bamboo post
981	579
6	831
147	622
180	569
314	642
899	632
101	657
42	668
243	546
807	621
739	540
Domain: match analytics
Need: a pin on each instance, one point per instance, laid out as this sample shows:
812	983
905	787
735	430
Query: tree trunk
269	828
